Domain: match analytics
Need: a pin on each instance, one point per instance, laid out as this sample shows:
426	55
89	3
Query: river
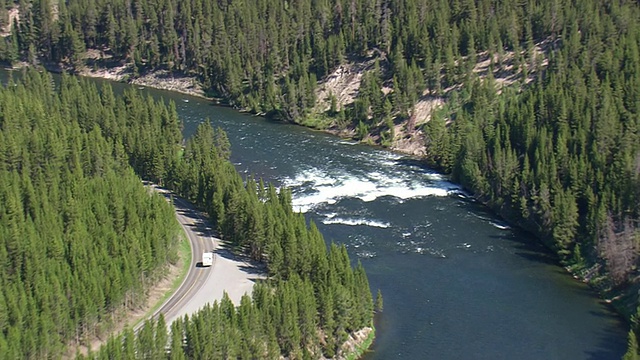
457	282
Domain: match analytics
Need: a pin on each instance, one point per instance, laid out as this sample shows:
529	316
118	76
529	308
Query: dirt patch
117	73
409	137
355	340
166	80
105	67
344	82
55	13
13	14
503	66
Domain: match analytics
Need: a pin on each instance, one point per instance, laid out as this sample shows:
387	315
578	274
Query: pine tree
379	302
632	352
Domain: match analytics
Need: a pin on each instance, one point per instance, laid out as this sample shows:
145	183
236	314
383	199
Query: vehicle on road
207	258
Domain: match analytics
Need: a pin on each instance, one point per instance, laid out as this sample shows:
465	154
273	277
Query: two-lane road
202	285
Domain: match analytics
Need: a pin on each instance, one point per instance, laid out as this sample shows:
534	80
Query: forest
556	152
267	55
82	238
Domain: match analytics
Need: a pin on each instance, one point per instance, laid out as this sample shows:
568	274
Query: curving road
229	273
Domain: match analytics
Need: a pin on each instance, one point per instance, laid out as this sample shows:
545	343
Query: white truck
207	258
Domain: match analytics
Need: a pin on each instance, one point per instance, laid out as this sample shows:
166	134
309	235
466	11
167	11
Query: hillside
342	87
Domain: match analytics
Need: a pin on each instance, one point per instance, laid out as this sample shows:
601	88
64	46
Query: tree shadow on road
248	265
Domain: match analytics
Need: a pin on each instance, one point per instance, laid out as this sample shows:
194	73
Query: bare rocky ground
343	83
169	81
353	342
13	14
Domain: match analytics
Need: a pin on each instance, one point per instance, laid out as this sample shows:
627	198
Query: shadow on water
538	257
408	161
392	339
608	348
529	248
609	316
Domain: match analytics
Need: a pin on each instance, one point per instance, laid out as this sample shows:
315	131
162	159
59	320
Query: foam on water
355	222
500	226
366	254
348	142
313	187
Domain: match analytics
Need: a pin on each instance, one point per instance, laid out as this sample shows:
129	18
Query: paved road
230	273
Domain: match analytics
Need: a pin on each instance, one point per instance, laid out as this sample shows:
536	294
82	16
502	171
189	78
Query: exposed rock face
343	83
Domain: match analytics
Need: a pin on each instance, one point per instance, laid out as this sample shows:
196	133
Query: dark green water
457	282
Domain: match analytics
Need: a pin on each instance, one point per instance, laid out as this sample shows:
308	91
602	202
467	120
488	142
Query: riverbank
344	78
429	325
409	141
161	79
357	344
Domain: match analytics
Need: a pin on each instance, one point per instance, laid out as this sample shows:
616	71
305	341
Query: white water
314	187
356	222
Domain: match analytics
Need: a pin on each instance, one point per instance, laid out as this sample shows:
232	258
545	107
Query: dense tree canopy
267	55
80	237
560	156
